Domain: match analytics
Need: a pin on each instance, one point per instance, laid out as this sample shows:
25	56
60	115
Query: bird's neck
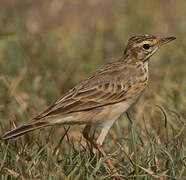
146	66
129	59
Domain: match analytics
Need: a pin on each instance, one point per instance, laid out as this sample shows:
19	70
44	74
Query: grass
48	47
140	156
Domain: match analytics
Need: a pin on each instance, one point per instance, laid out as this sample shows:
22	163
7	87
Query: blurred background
47	47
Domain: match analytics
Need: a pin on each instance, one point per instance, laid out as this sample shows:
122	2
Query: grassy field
47	47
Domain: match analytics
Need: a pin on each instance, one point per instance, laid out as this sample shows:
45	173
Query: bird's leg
100	140
98	146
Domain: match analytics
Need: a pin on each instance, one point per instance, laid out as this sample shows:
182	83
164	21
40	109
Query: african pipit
104	96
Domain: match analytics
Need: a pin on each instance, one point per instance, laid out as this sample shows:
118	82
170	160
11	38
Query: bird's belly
110	113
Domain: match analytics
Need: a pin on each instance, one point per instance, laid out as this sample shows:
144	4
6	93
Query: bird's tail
23	130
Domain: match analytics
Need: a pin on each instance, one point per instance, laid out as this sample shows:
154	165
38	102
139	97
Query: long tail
23	130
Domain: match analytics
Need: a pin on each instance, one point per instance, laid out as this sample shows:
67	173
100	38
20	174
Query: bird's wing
109	85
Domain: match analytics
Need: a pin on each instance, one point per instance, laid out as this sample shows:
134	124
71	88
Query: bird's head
141	48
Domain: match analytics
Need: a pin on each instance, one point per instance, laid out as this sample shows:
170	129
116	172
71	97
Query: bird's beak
163	41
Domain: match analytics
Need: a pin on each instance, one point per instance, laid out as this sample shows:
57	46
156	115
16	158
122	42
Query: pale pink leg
99	148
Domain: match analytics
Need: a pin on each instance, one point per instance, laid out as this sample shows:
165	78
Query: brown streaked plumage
104	96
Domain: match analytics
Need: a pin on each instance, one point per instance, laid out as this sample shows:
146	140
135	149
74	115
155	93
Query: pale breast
110	113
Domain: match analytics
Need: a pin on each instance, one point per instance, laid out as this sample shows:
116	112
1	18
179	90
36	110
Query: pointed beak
163	41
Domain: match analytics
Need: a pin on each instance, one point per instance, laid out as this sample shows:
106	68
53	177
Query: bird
104	96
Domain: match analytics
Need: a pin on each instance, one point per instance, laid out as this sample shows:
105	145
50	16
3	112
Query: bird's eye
146	46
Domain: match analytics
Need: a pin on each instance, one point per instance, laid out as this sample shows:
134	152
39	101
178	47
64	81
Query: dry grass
46	47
